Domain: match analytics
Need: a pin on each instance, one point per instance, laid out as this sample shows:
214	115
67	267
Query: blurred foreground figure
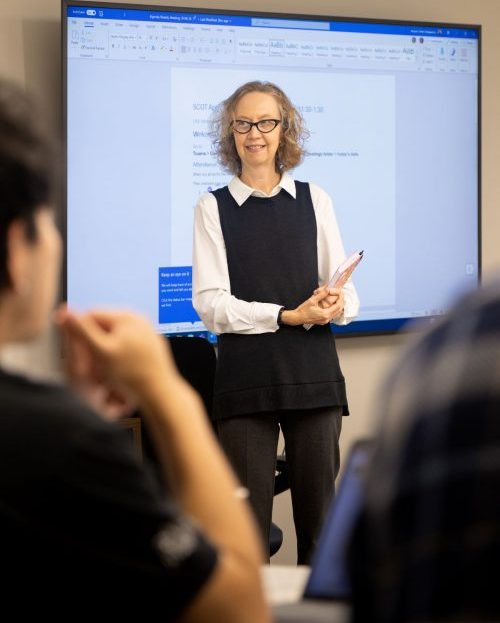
85	528
427	547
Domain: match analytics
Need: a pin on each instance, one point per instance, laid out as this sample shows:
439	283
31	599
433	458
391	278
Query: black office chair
196	360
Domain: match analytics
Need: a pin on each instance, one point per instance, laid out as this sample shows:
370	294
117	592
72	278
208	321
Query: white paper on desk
342	274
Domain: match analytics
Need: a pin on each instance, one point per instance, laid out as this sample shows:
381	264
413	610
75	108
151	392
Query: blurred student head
30	245
428	542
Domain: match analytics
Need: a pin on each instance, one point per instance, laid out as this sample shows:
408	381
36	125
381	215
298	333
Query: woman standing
263	245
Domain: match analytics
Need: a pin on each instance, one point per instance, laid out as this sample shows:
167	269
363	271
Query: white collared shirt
222	312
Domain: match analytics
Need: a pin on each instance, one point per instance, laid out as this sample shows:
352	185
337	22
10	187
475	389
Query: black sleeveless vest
271	247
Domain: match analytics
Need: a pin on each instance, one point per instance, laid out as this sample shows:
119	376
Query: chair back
196	360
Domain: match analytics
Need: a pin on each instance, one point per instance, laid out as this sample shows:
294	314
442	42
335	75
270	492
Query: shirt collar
240	191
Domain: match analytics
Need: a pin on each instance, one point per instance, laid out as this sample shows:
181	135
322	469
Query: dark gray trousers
311	436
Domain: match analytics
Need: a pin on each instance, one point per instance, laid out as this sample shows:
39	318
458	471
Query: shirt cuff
265	317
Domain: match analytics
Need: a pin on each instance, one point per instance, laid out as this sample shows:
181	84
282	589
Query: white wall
30	54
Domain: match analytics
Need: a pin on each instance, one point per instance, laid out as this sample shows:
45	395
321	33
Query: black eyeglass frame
256	124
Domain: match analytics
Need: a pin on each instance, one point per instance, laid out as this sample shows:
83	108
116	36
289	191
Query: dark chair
281	482
196	360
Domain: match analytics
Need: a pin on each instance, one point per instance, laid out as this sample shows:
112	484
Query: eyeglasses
264	125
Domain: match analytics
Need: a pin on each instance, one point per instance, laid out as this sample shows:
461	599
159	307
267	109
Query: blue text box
175	295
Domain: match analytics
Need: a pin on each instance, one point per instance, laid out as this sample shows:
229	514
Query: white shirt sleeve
331	251
220	311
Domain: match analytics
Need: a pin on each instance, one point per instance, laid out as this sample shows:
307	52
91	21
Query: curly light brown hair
293	131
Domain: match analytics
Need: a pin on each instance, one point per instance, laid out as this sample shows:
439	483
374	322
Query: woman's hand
335	299
322	307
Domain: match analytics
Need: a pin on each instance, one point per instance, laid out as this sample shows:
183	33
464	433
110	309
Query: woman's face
256	149
38	276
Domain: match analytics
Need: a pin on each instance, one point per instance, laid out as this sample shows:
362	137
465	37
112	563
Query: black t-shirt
83	525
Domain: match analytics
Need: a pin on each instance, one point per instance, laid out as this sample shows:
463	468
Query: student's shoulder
42	424
49	405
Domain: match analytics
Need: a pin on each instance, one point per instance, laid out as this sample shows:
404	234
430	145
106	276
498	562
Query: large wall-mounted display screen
392	110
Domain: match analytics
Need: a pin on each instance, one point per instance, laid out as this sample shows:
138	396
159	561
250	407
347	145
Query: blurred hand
111	357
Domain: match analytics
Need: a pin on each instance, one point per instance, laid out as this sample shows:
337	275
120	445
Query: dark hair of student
27	167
